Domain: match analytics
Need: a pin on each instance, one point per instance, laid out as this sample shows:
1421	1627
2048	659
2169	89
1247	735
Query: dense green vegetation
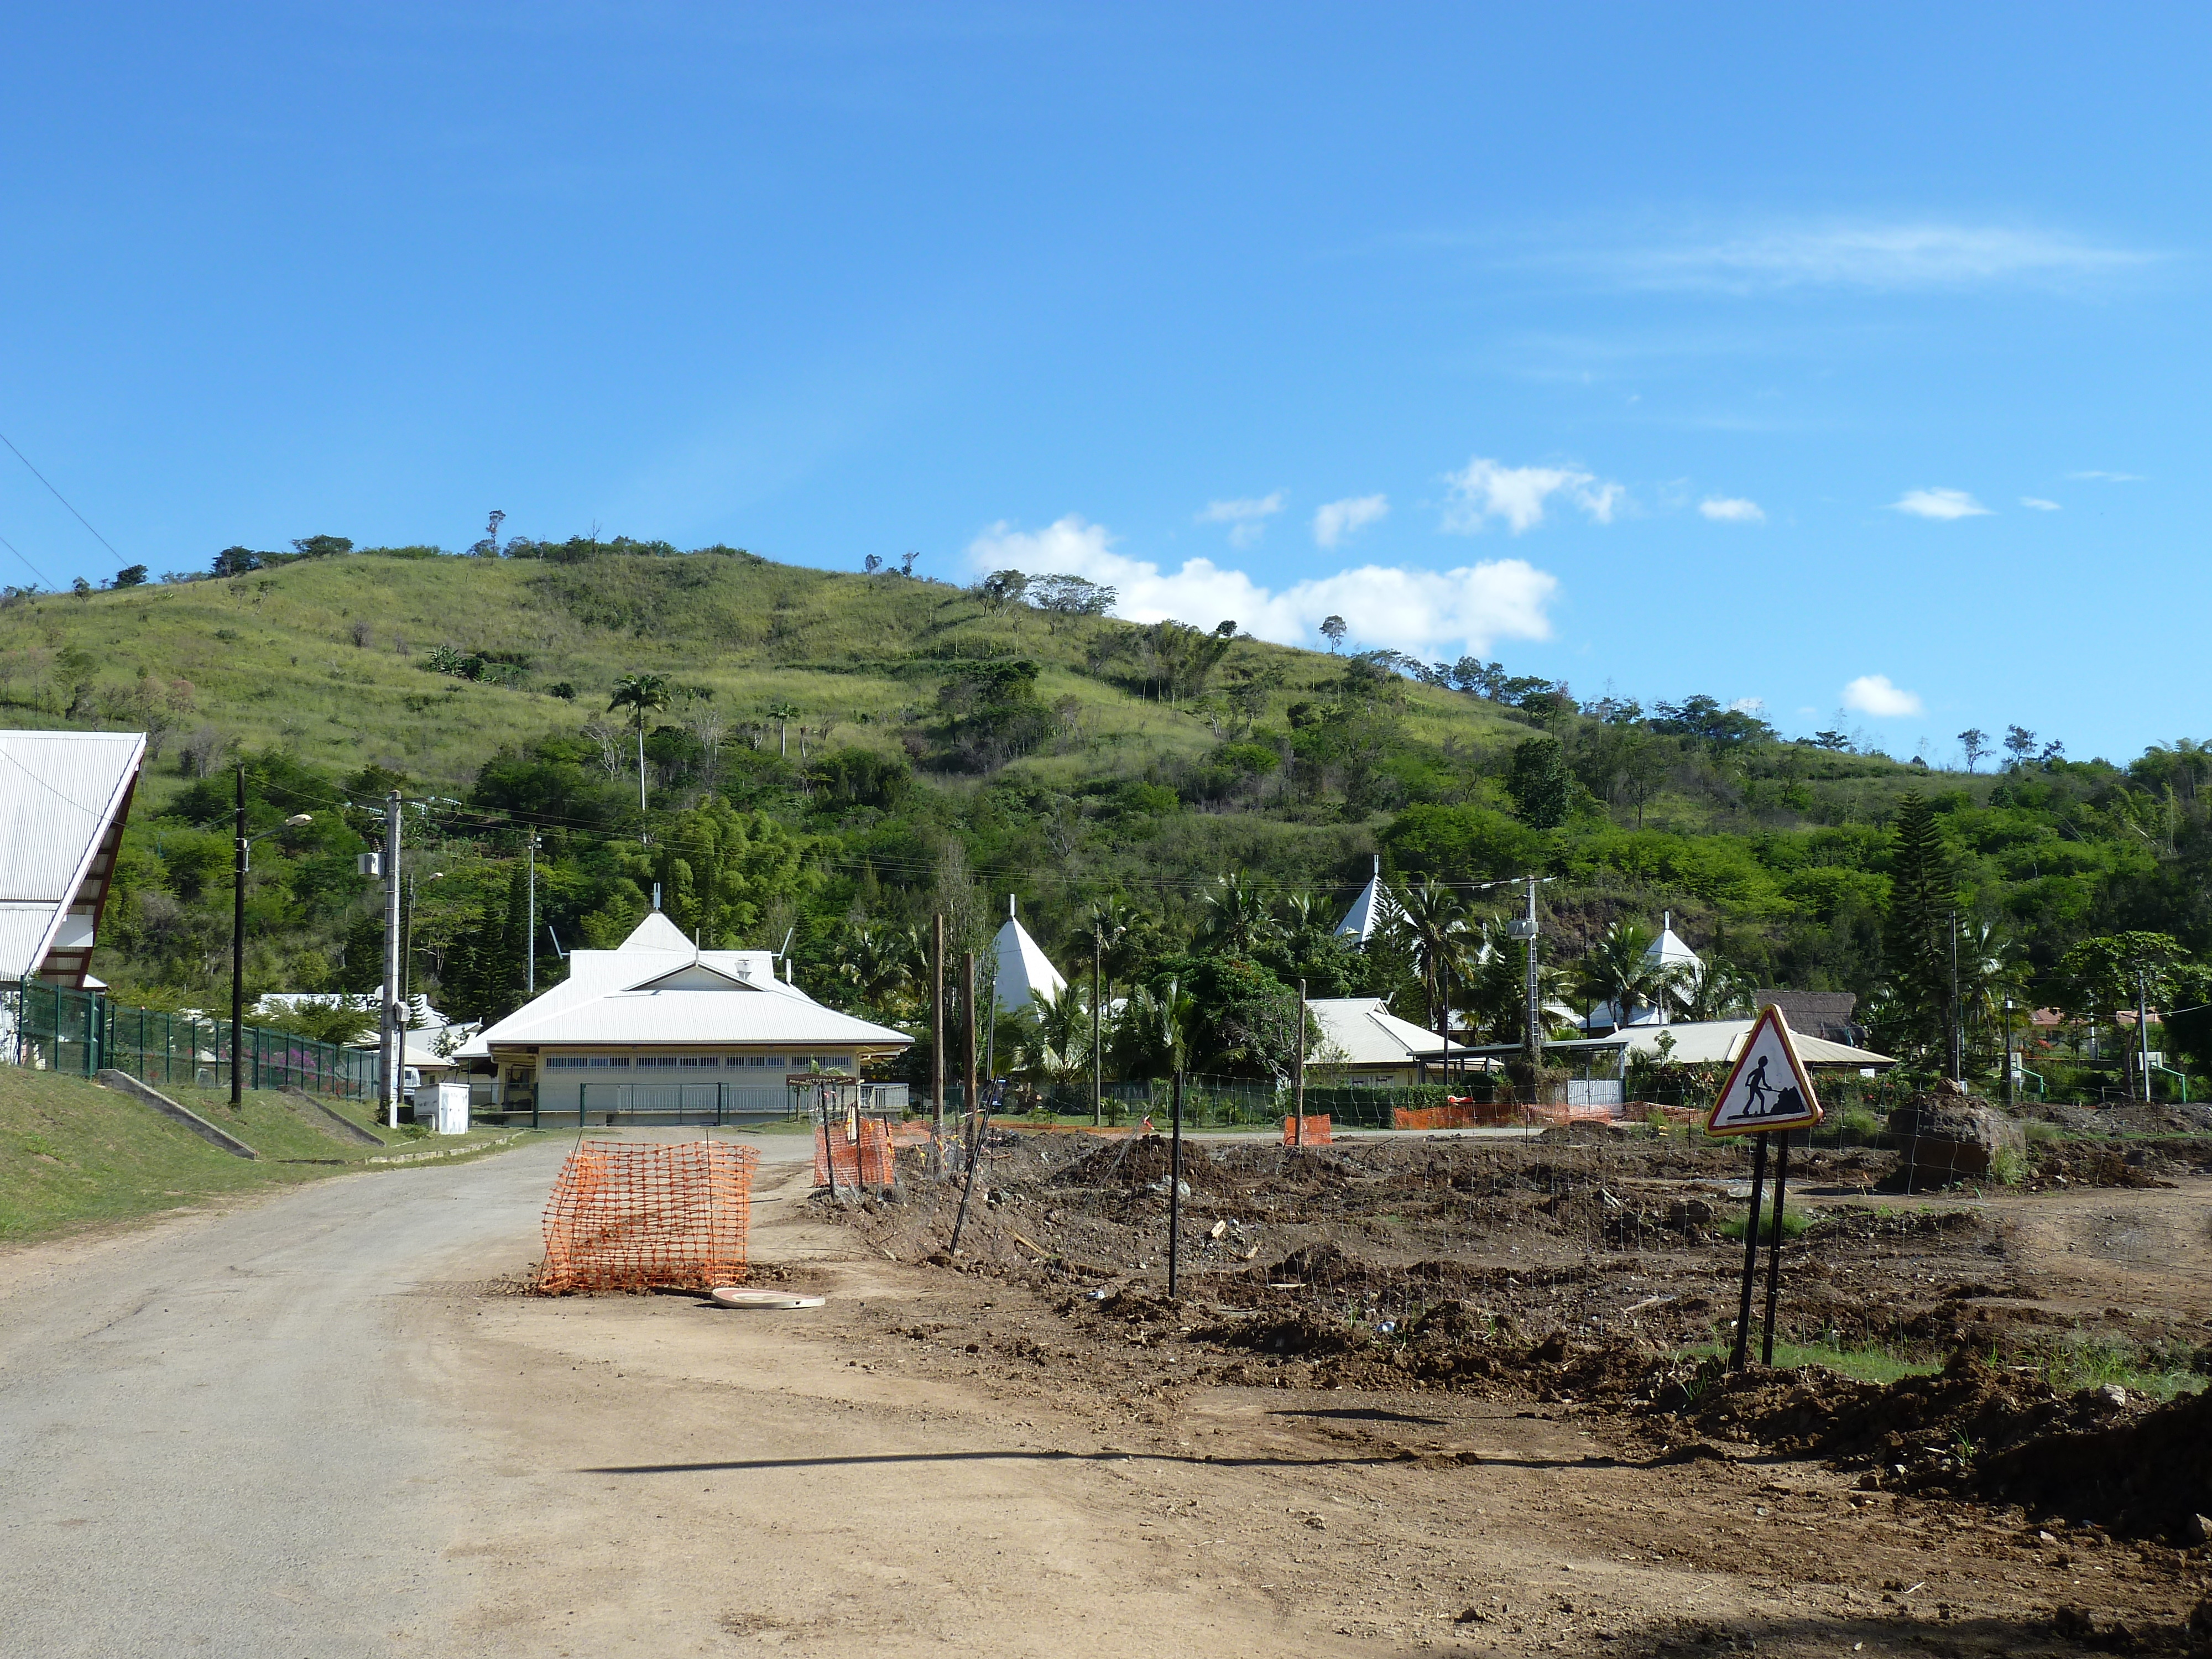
831	758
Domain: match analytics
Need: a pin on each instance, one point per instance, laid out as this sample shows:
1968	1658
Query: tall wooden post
969	1102
1298	1075
1175	1184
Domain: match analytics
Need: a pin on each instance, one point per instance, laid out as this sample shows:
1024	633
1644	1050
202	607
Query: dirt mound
1321	1265
1298	1334
1940	1430
1142	1162
2146	1475
2101	1164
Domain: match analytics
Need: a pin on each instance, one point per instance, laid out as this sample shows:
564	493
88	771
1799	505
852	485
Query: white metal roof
658	988
1022	967
1668	951
1363	1031
1373	908
1716	1041
62	797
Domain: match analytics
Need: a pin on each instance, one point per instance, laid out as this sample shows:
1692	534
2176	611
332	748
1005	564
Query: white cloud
1428	612
1247	517
1483	491
1906	256
2039	504
1873	693
1749	706
1336	519
2109	478
1731	509
1939	504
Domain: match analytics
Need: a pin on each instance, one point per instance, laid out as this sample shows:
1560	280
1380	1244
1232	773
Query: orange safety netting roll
1456	1115
863	1163
1309	1131
630	1217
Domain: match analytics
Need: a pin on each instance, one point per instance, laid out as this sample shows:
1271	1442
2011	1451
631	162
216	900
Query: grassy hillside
839	754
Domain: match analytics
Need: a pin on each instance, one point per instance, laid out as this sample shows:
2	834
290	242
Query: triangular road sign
1769	1087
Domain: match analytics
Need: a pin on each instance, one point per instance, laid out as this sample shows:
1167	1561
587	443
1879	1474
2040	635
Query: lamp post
240	861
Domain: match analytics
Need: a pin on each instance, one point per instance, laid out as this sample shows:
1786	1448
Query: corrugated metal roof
1365	1033
59	791
614	997
1715	1041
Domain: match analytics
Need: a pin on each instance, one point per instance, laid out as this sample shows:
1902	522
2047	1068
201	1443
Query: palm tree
1307	914
1236	919
880	964
1494	970
1056	1038
1622	969
783	712
1432	918
643	693
1991	968
1155	1027
1710	990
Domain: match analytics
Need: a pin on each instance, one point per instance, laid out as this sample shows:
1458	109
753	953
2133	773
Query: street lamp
244	851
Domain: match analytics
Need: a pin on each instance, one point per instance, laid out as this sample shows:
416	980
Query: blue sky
1848	363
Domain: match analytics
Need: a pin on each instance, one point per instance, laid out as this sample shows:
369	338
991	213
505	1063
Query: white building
1666	952
1022	967
1364	1043
63	798
659	1026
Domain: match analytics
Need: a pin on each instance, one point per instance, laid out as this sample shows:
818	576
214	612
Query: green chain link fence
51	1028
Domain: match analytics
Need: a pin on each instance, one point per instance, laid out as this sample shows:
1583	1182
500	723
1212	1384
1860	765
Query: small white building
658	1026
1666	952
63	798
1364	1044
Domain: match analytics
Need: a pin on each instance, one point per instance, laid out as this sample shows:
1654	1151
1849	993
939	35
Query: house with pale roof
660	1027
64	798
1665	952
1364	1044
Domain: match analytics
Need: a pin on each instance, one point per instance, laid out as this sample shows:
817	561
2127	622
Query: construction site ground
326	1421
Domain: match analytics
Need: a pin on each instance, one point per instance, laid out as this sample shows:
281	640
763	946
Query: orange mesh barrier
864	1162
1457	1115
1307	1131
626	1216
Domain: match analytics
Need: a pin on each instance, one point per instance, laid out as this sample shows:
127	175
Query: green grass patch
2094	1362
1794	1222
1862	1364
73	1153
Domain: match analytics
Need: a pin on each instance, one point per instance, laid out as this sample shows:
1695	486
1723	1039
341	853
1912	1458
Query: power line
58	496
27	565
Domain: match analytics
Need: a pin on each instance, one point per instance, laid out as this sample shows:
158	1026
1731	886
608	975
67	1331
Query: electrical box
369	864
1520	928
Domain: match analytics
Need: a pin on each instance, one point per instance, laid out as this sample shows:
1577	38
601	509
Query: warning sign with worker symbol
1769	1089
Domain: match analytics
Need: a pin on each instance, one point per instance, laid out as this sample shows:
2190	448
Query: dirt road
311	1426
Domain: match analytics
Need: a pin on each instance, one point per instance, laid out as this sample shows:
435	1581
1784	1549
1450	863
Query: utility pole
937	1031
2142	1033
1097	1029
238	953
1298	1074
1525	929
2008	1085
1958	1029
393	1046
530	967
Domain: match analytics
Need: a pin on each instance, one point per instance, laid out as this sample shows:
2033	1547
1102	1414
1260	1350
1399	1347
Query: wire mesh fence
51	1028
625	1216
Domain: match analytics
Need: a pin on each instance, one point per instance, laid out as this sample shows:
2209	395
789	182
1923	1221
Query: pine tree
1917	930
1539	783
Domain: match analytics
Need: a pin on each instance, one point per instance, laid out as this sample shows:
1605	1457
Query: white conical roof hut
1370	910
1023	966
1668	950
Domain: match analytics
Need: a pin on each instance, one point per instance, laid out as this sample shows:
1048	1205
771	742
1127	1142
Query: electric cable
58	496
27	565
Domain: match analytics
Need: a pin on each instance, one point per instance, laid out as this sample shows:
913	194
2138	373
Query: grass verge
73	1154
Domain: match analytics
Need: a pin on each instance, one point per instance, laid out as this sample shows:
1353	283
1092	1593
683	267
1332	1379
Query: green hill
839	755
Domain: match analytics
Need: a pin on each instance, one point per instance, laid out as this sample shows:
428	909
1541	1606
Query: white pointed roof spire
1370	910
1022	967
1668	951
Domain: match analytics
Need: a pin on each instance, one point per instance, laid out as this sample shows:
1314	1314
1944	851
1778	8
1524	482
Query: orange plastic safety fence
864	1162
1453	1116
630	1217
1309	1131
